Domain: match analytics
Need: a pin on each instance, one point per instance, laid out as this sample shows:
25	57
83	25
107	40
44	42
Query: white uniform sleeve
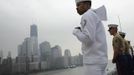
87	35
81	37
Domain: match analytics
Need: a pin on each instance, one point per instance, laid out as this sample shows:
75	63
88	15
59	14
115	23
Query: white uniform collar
101	12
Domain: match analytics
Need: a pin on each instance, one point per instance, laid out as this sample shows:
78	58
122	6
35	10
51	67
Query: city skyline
33	35
55	21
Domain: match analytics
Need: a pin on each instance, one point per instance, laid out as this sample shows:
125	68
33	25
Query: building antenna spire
120	23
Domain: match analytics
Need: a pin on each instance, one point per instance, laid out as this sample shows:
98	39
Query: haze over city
55	20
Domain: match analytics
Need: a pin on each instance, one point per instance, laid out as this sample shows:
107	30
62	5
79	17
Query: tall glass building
33	31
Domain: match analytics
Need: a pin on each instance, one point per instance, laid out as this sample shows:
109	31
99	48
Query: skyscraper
34	41
67	53
45	50
1	56
67	58
56	51
1	53
29	47
28	52
57	60
33	31
9	54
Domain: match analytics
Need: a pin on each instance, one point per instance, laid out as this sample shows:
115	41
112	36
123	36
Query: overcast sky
55	20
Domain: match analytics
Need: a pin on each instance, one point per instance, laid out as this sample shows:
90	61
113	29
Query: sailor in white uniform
91	34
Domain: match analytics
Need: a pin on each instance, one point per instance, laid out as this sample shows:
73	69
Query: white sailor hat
112	25
122	33
77	1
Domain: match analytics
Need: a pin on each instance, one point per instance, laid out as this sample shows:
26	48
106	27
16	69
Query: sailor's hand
78	28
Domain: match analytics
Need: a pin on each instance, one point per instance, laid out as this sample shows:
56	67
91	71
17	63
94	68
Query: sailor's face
80	8
111	31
